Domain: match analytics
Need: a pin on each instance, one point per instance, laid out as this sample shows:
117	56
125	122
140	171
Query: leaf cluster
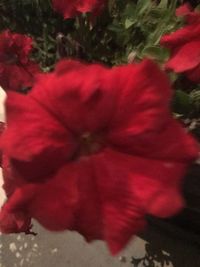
124	27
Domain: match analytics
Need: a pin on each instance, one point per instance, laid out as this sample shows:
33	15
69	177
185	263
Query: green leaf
182	102
155	52
195	98
110	5
128	23
115	28
173	76
130	11
143	6
173	6
163	4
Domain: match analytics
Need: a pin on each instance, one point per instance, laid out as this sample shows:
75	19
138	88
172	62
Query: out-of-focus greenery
124	27
126	30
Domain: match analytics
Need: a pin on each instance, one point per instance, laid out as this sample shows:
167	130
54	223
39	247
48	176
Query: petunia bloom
73	8
94	149
184	45
17	71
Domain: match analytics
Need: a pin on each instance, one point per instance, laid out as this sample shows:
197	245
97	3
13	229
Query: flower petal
55	201
185	58
143	124
14	222
184	35
84	104
138	121
68	200
144	94
132	187
159	143
14	218
34	139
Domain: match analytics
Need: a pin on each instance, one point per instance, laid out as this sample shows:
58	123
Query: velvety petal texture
17	71
184	45
72	8
94	149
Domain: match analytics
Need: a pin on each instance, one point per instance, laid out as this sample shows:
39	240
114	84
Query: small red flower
73	8
98	149
184	45
16	69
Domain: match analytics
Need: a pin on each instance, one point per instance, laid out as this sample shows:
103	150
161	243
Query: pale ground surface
59	250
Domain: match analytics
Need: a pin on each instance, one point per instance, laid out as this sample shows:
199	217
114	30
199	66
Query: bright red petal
181	36
144	94
159	143
142	124
84	104
14	217
186	57
34	136
69	200
16	222
122	215
55	202
131	187
122	188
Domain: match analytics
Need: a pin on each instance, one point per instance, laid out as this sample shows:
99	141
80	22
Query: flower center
90	143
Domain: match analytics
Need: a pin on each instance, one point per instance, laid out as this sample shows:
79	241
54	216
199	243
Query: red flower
16	69
73	8
185	46
98	149
183	10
